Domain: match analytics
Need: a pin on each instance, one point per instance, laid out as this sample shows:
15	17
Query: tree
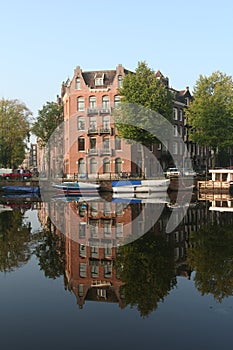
211	112
15	128
49	118
142	95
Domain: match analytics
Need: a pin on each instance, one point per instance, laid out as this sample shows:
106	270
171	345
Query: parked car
172	172
189	172
16	175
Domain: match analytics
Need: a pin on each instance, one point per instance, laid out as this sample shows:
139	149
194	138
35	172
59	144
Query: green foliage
147	269
15	241
211	256
142	89
211	111
51	253
14	131
49	118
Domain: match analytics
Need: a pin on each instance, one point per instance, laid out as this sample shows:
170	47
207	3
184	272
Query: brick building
91	144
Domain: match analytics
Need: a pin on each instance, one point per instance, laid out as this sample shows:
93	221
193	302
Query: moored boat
21	189
76	187
140	186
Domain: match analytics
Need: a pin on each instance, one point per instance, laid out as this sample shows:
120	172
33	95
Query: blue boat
21	189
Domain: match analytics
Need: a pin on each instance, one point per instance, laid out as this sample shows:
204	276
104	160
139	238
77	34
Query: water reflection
15	239
141	273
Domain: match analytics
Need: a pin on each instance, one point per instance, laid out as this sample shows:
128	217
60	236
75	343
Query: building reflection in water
96	262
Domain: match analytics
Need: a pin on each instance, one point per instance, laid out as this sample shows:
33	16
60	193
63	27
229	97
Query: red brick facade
91	143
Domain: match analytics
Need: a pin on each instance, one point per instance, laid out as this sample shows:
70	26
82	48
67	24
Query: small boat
21	189
140	186
76	187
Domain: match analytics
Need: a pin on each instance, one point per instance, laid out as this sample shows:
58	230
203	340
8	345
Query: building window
81	144
93	123
105	102
106	165
83	270
117	100
81	166
175	113
99	81
94	252
107	228
77	84
119	230
117	143
82	230
106	122
120	81
175	133
119	209
181	115
107	209
107	250
118	165
92	102
106	143
80	290
107	270
93	230
81	123
93	166
81	105
94	269
82	251
94	209
92	143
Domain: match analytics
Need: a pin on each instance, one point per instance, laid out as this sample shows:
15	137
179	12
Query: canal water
85	274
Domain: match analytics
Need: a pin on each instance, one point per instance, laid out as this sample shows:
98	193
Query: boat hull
75	188
21	189
140	186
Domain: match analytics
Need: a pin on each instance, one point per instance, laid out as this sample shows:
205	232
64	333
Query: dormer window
99	80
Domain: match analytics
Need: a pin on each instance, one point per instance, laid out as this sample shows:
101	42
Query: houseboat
221	181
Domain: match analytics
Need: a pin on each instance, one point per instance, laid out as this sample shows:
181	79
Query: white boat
4	208
76	187
140	186
221	180
155	197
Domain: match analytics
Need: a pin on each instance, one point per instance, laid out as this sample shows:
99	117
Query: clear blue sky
43	41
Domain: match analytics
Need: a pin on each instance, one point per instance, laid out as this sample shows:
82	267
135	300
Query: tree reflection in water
15	241
50	251
211	255
147	270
